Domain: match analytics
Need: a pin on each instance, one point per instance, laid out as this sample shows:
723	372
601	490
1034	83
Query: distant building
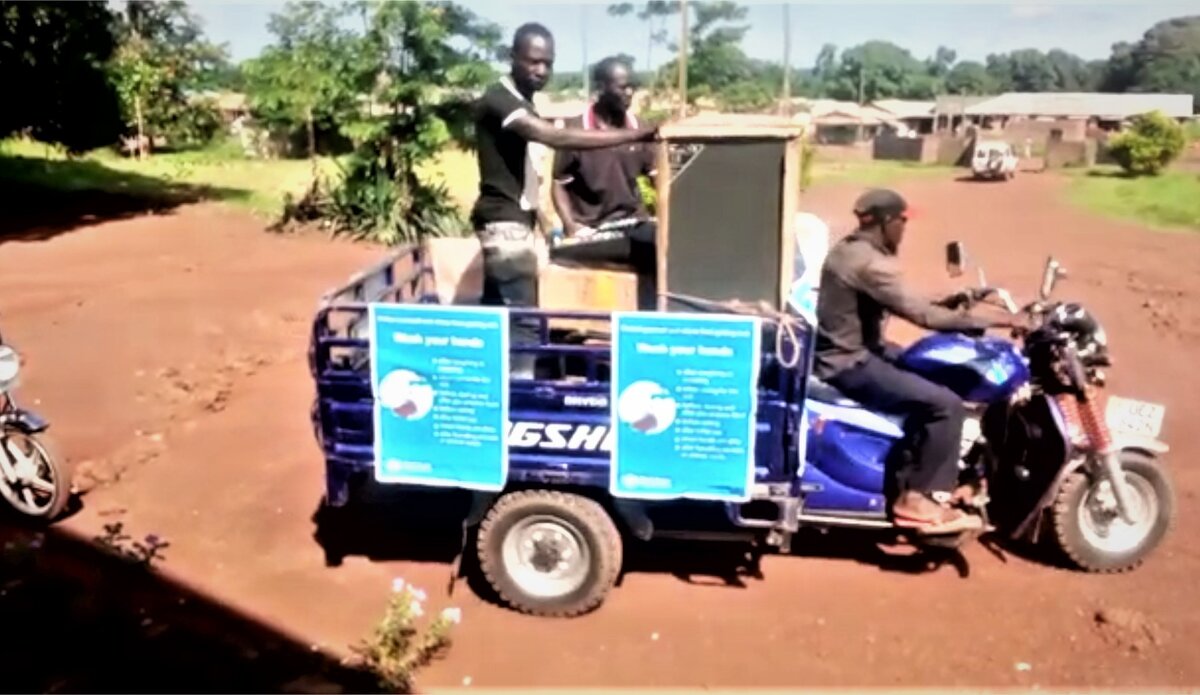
908	117
1104	111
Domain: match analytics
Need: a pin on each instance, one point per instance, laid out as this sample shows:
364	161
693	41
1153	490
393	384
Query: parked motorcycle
1042	450
34	480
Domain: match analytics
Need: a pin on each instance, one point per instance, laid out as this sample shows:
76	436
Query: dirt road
169	352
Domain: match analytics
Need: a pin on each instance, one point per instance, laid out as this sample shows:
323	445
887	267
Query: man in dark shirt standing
860	281
505	212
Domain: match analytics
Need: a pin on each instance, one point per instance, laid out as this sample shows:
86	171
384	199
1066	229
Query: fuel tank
979	370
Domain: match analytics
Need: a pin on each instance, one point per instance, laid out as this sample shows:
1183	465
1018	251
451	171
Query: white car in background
994	159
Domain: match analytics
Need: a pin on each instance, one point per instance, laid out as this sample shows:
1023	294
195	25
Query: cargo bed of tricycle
560	421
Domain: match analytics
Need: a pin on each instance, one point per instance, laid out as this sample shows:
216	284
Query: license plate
1138	418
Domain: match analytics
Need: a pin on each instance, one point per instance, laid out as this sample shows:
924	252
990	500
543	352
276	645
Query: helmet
879	204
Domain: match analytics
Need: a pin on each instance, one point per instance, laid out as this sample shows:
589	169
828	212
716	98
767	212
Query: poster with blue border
440	381
685	405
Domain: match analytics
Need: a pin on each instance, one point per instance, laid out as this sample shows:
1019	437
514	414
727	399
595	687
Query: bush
648	193
1152	142
397	649
808	155
374	202
195	124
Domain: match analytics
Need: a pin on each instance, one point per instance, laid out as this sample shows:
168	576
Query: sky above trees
972	29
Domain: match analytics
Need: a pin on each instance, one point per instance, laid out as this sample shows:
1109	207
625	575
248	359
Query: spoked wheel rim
27	474
546	556
1101	523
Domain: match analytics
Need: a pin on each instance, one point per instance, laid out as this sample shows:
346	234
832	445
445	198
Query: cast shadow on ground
80	618
1110	174
41	199
971	178
425	526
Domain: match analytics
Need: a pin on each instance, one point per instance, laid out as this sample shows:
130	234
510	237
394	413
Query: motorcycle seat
823	392
856	413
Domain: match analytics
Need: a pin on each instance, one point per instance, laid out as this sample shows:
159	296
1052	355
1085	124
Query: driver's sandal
927	517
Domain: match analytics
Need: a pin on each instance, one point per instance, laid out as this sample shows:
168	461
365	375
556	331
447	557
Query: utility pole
786	101
587	77
683	57
860	102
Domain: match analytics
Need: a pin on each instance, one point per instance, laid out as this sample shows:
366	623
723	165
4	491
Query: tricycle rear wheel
549	553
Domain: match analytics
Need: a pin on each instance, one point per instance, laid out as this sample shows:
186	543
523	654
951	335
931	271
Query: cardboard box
586	289
457	265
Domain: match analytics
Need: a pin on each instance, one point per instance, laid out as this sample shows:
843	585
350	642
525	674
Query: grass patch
873	173
258	185
1169	201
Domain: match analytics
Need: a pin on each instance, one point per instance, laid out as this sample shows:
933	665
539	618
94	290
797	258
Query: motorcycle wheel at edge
1088	529
35	480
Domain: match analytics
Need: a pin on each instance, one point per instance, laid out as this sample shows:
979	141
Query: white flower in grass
398	585
452	615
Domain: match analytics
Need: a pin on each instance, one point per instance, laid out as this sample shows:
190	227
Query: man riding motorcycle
860	281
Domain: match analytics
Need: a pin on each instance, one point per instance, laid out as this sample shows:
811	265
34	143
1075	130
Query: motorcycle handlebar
969	297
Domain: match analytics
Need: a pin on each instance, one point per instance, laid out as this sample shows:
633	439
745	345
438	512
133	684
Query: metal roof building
1114	107
905	109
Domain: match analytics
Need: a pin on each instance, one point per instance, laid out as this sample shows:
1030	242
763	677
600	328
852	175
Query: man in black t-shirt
505	212
595	188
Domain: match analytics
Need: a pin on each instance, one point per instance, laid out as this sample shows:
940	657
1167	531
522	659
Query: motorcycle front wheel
1091	533
34	479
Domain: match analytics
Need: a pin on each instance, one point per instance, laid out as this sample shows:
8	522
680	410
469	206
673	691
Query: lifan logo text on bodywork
559	436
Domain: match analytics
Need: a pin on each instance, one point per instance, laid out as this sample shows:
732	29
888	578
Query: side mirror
1050	277
956	259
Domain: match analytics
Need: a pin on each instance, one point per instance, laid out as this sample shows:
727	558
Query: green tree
880	70
1031	70
162	58
1025	70
1150	144
716	64
52	59
942	62
655	14
1072	73
423	63
1166	59
970	78
311	74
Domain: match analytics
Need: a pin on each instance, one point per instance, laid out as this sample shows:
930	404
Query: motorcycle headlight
10	367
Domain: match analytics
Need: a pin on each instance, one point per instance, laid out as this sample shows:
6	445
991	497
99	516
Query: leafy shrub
1152	142
746	96
648	193
397	648
808	155
372	201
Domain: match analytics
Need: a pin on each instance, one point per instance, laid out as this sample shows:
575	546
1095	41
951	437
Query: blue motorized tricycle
633	416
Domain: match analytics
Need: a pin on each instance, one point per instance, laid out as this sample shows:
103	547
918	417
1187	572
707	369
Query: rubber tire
587	517
62	479
1065	520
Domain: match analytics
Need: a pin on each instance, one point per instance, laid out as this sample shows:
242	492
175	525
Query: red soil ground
169	354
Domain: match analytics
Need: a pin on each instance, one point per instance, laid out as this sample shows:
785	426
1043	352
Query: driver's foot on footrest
916	511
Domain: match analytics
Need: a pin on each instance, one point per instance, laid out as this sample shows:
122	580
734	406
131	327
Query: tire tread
591	513
1063	511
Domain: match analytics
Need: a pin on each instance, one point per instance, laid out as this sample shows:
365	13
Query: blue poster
685	400
440	379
